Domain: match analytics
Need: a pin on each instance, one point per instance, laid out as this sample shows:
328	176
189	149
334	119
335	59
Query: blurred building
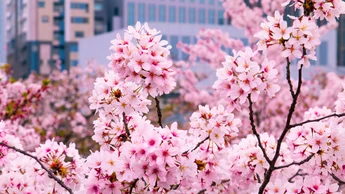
41	32
2	33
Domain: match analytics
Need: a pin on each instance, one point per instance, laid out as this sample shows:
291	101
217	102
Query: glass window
74	62
211	16
41	4
174	50
152	13
192	14
131	13
141	15
202	13
202	1
82	6
162	13
45	19
185	40
323	53
79	34
211	2
98	6
182	15
220	17
172	14
79	20
73	47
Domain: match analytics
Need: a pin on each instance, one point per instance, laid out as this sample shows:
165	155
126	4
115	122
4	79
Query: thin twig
133	185
297	174
197	145
341	182
51	175
251	117
296	163
318	119
159	112
288	77
126	125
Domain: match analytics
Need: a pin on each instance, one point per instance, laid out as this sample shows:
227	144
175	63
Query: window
185	40
192	15
41	4
161	13
141	15
245	41
323	53
182	15
131	13
116	11
211	16
152	13
73	47
202	16
45	19
79	34
211	2
221	17
172	14
174	51
98	6
82	6
74	62
202	1
79	20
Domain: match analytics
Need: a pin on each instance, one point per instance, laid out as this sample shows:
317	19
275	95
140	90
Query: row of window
79	20
82	6
210	2
210	16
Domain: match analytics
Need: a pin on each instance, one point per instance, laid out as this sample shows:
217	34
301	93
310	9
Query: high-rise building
42	32
2	33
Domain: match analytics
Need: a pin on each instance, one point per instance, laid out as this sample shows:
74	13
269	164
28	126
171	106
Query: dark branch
51	175
288	77
341	182
251	117
318	119
159	112
296	163
297	174
132	186
126	125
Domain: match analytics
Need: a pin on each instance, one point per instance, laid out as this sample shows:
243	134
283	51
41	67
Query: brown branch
159	112
341	182
288	77
297	174
251	117
296	163
285	131
318	119
126	125
133	185
50	173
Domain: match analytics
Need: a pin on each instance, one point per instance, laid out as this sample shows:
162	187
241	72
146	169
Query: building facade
2	33
42	33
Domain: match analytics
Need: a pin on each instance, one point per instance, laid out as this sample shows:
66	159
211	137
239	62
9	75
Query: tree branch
159	112
126	125
341	182
251	117
51	175
296	163
133	185
288	77
297	174
318	119
286	129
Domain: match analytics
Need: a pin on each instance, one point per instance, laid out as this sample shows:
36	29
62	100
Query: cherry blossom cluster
216	124
321	9
296	42
340	103
241	76
22	174
142	57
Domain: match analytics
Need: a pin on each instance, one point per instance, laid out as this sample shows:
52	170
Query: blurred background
36	35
